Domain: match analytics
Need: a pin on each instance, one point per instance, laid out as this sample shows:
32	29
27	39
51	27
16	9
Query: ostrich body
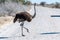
24	16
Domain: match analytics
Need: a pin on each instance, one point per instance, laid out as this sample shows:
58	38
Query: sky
47	1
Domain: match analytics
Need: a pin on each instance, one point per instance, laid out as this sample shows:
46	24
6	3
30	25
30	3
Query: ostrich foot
23	35
27	30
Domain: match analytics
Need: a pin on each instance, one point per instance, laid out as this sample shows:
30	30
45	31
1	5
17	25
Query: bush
57	5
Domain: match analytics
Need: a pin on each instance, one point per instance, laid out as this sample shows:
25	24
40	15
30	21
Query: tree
2	1
27	3
22	1
57	5
42	3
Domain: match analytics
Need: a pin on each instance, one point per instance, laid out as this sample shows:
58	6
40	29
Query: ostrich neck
34	12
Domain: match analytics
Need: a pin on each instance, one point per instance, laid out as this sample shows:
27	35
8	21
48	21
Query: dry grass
5	20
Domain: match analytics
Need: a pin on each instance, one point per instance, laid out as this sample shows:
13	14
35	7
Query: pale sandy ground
5	20
42	27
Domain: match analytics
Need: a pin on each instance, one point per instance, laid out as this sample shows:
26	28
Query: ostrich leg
26	29
22	26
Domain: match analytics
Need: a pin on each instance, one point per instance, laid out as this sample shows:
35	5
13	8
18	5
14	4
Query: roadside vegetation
51	5
8	9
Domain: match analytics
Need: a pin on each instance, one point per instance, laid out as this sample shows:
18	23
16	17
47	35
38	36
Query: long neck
34	12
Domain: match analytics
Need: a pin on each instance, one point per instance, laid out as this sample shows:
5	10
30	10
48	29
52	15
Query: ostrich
24	16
